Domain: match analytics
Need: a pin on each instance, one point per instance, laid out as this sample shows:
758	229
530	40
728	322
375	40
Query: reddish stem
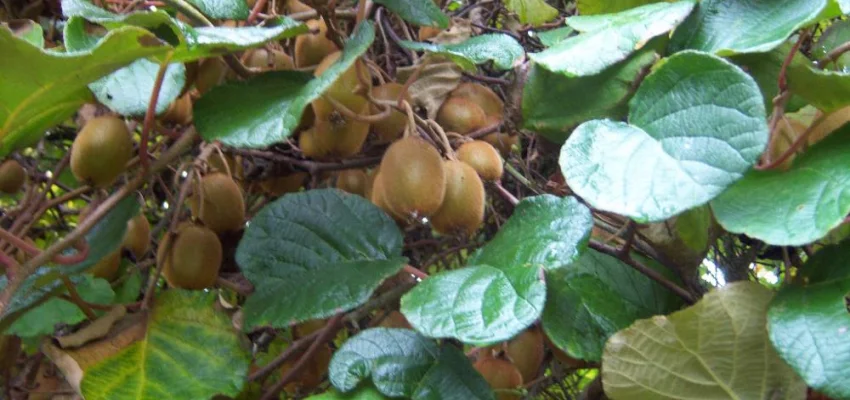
415	272
151	114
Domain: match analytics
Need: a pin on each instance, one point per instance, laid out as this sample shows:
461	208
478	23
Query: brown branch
312	167
151	113
506	194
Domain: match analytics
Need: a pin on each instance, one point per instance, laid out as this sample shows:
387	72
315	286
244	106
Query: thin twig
76	299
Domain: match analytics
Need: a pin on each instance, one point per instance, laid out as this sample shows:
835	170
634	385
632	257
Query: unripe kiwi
180	111
194	257
137	239
502	142
223	206
101	151
483	158
107	267
390	128
281	185
500	374
265	60
527	351
352	181
12	176
211	73
483	96
413	178
311	48
462	211
461	115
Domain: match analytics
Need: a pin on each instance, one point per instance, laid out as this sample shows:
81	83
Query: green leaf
744	26
157	22
794	207
266	109
609	39
419	12
765	69
128	90
478	305
697	124
26	29
716	349
808	322
402	363
533	12
363	393
591	7
42	320
37	90
596	296
543	232
604	95
129	290
316	253
837	34
554	36
190	351
222	9
502	49
826	90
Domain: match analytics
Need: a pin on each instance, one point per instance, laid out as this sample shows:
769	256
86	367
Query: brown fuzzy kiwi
527	351
101	151
338	135
502	142
107	267
137	238
395	319
180	111
193	259
483	158
265	60
211	72
390	128
223	205
483	96
311	48
346	86
234	164
413	178
12	177
281	185
352	181
461	115
311	146
500	374
462	211
378	198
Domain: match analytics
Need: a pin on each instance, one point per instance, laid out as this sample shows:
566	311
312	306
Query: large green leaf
266	109
313	254
808	322
794	207
744	26
543	232
38	91
837	34
696	125
591	7
128	90
222	9
765	69
502	49
596	296
419	12
716	349
190	352
826	90
42	320
533	12
579	99
402	363
609	39
26	29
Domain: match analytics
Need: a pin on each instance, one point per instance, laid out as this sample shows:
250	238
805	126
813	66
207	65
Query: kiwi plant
12	176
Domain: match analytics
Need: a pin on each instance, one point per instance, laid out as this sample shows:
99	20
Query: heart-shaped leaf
502	49
744	26
313	254
809	322
697	124
715	349
609	39
266	109
419	12
794	207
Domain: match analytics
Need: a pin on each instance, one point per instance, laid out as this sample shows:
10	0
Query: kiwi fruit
281	185
223	207
527	351
101	151
107	267
413	178
12	177
500	374
137	238
217	162
264	60
461	115
483	96
335	135
194	258
312	48
180	111
483	158
502	142
462	211
211	72
352	181
347	83
392	127
378	198
395	319
311	146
